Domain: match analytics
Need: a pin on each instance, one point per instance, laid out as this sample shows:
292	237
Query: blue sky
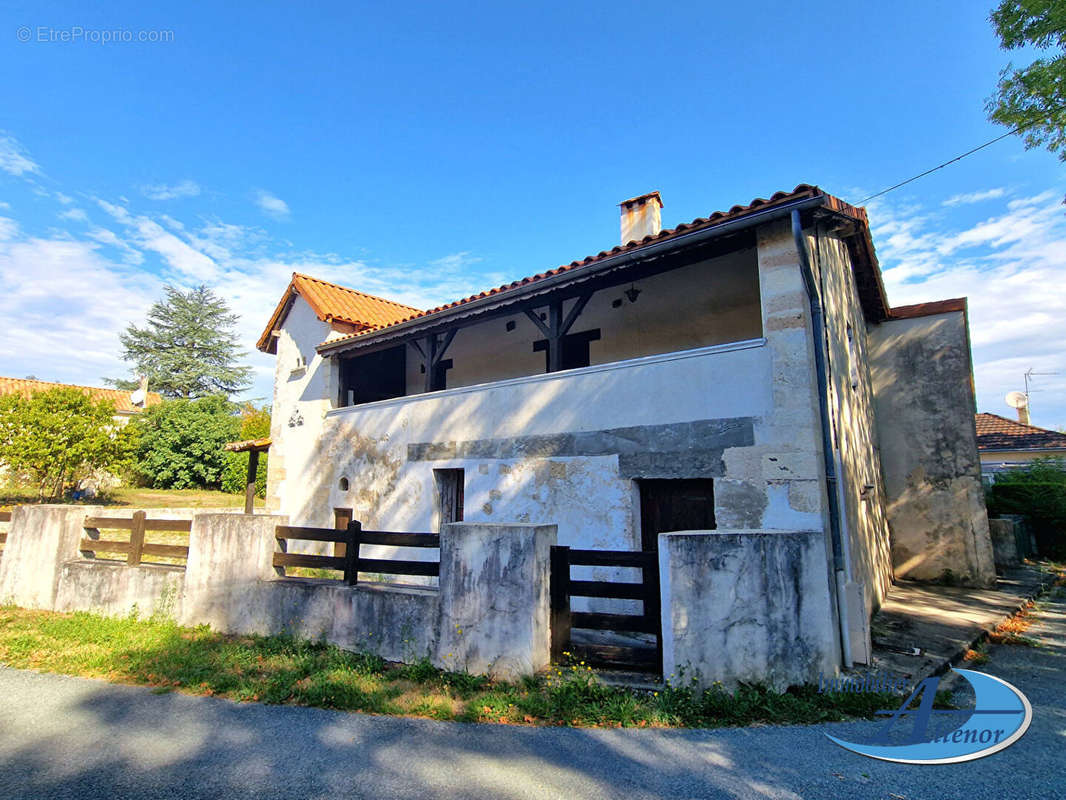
426	151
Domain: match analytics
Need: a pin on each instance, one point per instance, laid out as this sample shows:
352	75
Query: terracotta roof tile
1000	433
331	302
119	397
803	190
927	309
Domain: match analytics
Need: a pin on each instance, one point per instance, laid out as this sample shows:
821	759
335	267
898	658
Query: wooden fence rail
5	516
136	548
351	563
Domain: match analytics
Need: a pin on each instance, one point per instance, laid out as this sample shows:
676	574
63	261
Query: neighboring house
1006	444
743	373
127	404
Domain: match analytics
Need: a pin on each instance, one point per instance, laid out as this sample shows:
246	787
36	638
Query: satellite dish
1017	399
138	396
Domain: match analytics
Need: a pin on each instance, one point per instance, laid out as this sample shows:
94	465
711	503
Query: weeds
281	669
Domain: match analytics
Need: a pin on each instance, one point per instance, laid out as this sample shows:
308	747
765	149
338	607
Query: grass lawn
279	669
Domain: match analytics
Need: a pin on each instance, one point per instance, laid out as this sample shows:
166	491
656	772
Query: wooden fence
136	548
563	620
5	516
351	563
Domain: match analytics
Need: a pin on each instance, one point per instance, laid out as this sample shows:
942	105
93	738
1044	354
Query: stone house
741	376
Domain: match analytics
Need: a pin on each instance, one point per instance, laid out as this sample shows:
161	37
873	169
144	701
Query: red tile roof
121	398
331	302
928	309
870	284
1000	433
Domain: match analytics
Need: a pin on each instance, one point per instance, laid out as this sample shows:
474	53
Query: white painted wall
302	395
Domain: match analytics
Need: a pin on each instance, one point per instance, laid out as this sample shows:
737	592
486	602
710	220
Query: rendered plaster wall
923	389
565	449
751	606
706	303
854	425
302	396
115	589
43	568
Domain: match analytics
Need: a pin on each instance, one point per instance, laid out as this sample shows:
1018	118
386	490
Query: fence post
560	601
136	539
351	552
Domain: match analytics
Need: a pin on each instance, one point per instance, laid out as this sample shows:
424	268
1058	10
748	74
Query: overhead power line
941	166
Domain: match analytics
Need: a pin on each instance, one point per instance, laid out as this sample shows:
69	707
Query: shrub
180	442
56	436
255	424
1039	493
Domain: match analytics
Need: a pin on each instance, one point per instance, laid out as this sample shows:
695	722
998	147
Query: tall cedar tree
188	347
1033	98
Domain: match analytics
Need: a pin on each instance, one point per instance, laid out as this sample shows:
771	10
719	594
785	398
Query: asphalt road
71	738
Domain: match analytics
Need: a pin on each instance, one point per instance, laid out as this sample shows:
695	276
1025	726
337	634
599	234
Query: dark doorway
449	494
674	505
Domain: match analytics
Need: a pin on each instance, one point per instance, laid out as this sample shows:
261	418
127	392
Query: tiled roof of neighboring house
119	397
871	283
927	309
1000	433
331	302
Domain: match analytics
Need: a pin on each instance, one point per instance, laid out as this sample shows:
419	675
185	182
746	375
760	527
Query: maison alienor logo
1000	716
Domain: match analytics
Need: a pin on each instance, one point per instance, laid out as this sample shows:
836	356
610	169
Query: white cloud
1010	267
163	191
75	214
65	199
455	261
64	305
130	255
8	229
973	197
13	157
271	204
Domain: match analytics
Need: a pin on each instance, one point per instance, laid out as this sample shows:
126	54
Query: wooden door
674	505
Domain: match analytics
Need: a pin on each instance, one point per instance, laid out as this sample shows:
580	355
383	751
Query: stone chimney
641	217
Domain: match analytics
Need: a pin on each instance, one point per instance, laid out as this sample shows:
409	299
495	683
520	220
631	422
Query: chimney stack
1023	415
641	217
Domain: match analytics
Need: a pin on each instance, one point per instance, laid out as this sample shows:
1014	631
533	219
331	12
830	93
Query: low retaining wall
489	615
746	606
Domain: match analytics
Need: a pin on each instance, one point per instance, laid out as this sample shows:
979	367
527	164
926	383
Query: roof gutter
547	284
832	488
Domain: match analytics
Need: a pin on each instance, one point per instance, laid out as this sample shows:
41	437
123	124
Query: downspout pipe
831	480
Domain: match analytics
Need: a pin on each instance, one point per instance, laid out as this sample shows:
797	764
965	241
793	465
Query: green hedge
1039	494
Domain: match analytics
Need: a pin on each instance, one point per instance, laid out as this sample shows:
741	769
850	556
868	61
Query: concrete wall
923	389
854	427
751	606
490	614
